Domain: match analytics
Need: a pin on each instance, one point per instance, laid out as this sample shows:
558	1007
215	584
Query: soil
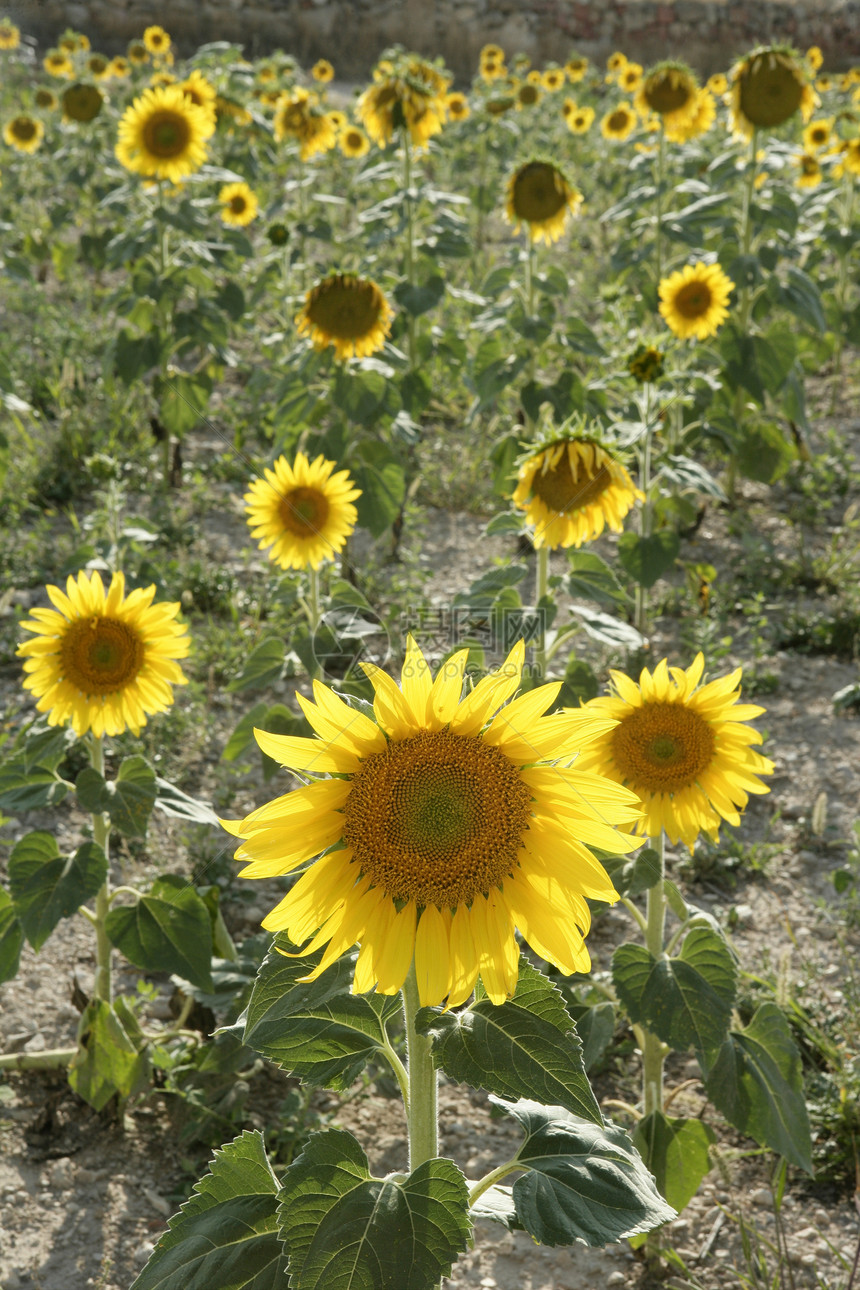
83	1197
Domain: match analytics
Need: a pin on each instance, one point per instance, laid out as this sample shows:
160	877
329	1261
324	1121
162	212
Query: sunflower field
443	502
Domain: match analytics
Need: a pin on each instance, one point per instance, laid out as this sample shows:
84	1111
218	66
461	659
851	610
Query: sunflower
618	124
298	116
23	133
303	512
814	57
492	52
81	102
201	93
156	40
767	88
553	79
818	134
499	106
408	94
811	173
103	661
10	36
162	135
630	77
354	142
684	750
695	300
824	84
646	364
338	120
671	91
527	95
161	78
137	52
46	99
851	156
457	106
539	196
278	234
348	312
616	62
492	71
571	490
698	122
448	824
717	84
239	205
98	66
575	69
119	67
534	77
58	64
581	121
322	71
230	113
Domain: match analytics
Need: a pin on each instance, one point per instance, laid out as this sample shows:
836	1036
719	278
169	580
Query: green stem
314	616
744	301
400	1071
488	1180
422	1113
645	517
542	580
410	244
635	915
101	835
48	1060
163	315
531	366
653	1056
842	288
658	215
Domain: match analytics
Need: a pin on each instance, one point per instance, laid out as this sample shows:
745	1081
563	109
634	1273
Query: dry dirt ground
83	1198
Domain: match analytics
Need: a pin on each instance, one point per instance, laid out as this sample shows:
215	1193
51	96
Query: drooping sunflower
618	124
571	490
818	134
58	64
540	197
670	90
695	300
581	121
303	512
646	364
101	660
24	133
239	204
319	136
10	36
162	135
491	70
82	102
156	40
457	106
767	88
322	71
450	824
348	312
354	142
683	748
494	52
811	173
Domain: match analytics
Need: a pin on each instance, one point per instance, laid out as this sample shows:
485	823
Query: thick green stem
422	1112
410	243
652	1057
314	617
101	836
645	514
542	581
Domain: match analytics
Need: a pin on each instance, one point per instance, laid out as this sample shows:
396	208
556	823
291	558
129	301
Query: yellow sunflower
137	52
824	84
811	173
534	77
201	93
814	57
571	490
615	62
527	95
457	106
319	136
239	205
23	133
58	64
699	121
98	66
540	197
119	67
618	124
818	134
449	824
671	91
46	99
576	68
682	748
339	120
156	40
407	94
103	661
695	300
581	121
717	84
492	71
767	88
162	135
851	156
499	106
630	77
10	36
322	71
553	79
354	142
161	78
348	312
494	52
302	511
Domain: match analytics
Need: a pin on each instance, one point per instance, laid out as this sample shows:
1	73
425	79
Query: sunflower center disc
538	195
100	655
618	121
666	96
693	300
304	512
558	489
345	310
662	747
23	129
770	95
166	134
437	818
237	205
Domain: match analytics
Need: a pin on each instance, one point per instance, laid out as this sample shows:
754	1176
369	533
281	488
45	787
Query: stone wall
352	33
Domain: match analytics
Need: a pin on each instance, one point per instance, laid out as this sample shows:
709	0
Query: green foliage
167	930
47	887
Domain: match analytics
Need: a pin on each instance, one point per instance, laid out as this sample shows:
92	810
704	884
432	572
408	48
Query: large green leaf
647	558
676	1152
11	937
345	1230
44	746
315	1030
182	399
24	788
225	1236
763	453
419	299
685	1001
583	1182
167	930
756	1080
128	799
379	475
263	665
593	579
526	1047
46	886
107	1061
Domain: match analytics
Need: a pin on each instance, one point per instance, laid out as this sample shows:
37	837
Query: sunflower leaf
583	1182
315	1030
29	789
263	665
107	1060
676	1152
11	937
755	1079
646	559
525	1047
225	1236
167	930
344	1229
47	887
